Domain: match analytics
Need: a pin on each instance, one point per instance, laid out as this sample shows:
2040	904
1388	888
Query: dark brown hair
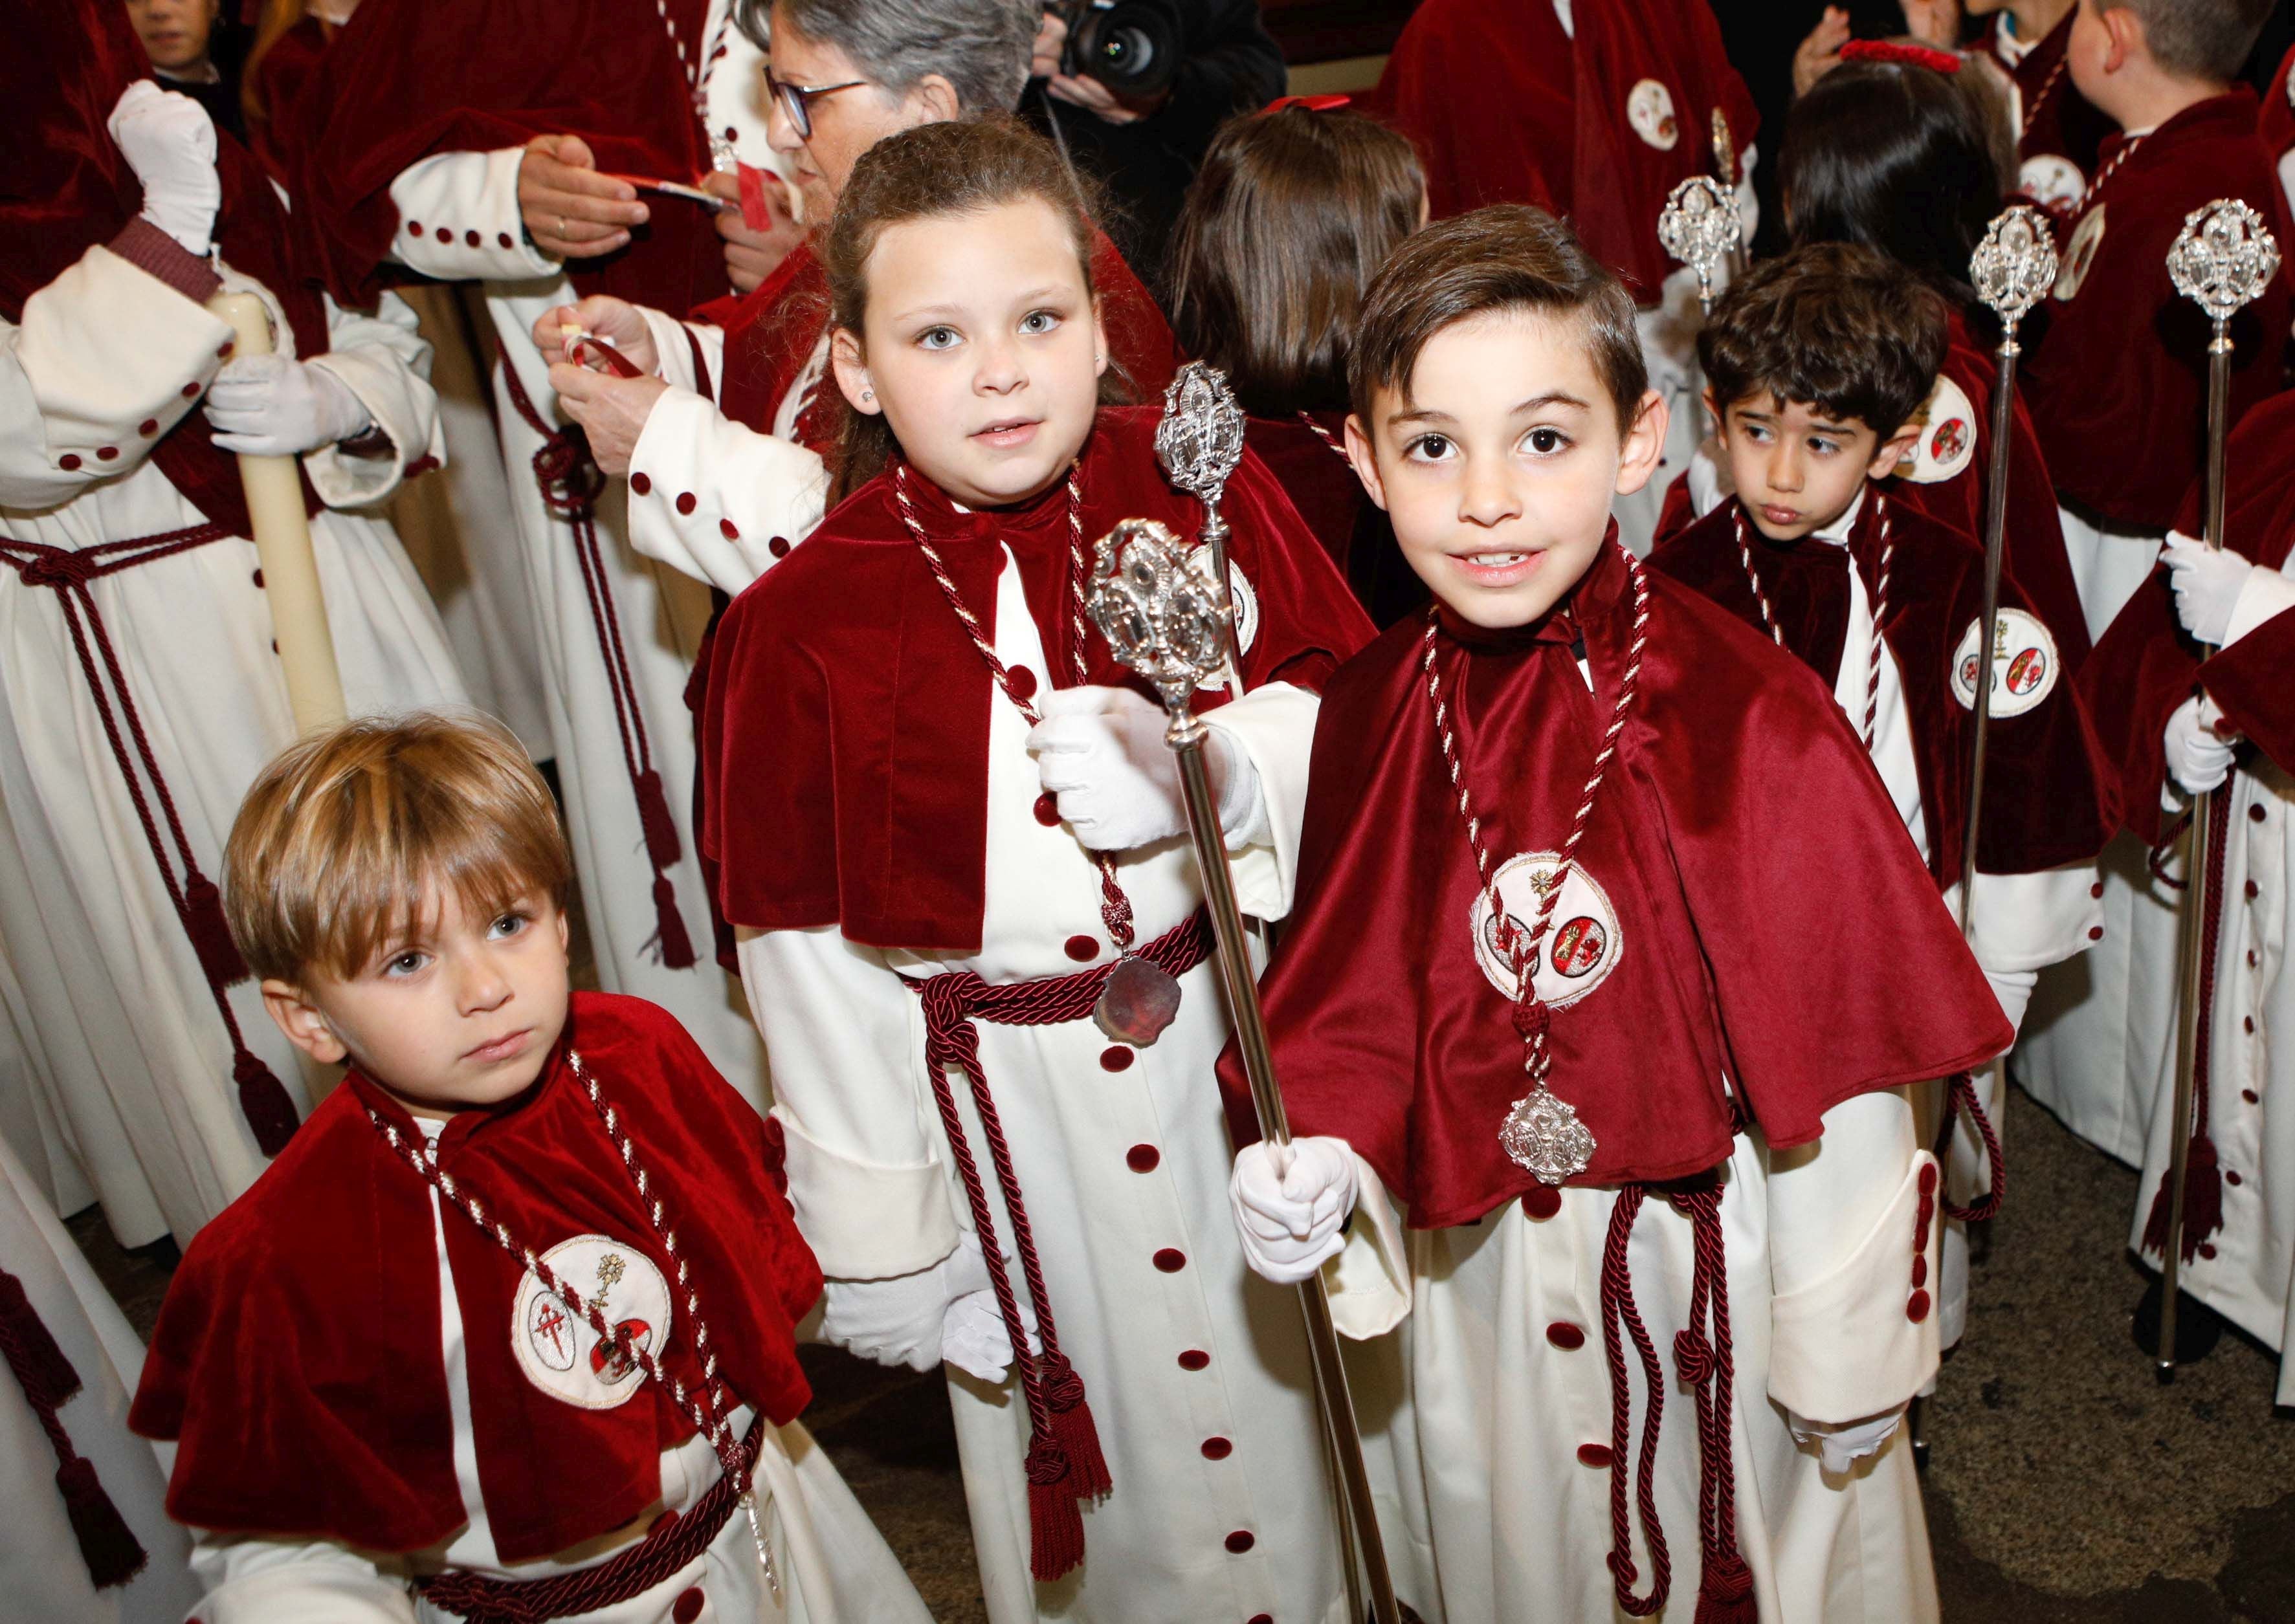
1507	257
1290	216
2198	39
1834	325
963	166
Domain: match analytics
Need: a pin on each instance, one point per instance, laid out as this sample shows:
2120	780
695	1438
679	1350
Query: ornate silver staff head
1158	604
2224	258
2015	264
1700	227
1200	439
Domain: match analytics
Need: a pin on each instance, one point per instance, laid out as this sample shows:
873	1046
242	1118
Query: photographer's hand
1052	39
1097	98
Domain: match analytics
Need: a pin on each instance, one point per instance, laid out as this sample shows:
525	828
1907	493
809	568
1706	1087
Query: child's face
982	349
1499	465
1797	468
460	1013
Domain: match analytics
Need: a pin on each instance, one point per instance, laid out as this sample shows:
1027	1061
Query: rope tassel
669	925
107	1544
263	1101
1074	1429
1055	1521
204	924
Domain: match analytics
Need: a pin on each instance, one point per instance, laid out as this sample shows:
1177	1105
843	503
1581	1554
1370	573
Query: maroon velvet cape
2045	775
2057	119
297	1361
1317	478
278	80
2146	664
66	188
1780	942
2117	376
405	80
1506	108
847	730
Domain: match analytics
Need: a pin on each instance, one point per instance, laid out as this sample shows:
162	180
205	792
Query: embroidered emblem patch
2025	665
2052	179
1581	945
1948	438
561	1354
1649	108
2086	238
1246	618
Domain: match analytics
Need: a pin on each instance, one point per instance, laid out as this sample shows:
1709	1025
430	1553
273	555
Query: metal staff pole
1699	226
2222	261
1159	606
1199	442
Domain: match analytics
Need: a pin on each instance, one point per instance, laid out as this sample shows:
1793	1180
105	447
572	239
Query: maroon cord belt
1066	1465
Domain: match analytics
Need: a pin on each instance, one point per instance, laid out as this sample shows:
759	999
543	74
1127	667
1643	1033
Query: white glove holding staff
168	140
2198	758
2208	583
276	406
1101	752
1291	1224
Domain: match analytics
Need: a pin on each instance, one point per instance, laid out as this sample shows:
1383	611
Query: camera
1132	46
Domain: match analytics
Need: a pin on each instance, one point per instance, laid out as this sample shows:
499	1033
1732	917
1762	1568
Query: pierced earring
867	395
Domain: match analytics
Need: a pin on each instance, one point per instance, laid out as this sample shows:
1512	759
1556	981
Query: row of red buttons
1539	1203
1916	1306
687	501
2256	814
446	233
71	461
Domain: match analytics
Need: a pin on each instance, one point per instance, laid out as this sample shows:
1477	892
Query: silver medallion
1543	1134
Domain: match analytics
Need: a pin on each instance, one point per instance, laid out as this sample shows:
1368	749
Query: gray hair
981	47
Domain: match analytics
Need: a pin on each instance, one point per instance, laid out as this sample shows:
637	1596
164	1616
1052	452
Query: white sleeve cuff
1862	1337
866	1221
258	1581
674	340
1275	727
2029	921
2267	593
1368	1282
459	219
717	500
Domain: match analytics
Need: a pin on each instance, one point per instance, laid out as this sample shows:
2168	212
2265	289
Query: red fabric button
502	239
2097	889
1024	681
1083	949
685	502
1115	1057
731	133
640	484
223	350
729	530
2251	1097
2255	813
1920	1271
2095	933
2247	1024
1194	1359
1594	1454
415	226
688	1605
1921	1236
778	546
1048	810
105	454
1565	1336
1240	1541
2233	1179
2251	959
1924	1211
67	461
1217	1448
192	390
149	427
1261	1618
1917	1307
259	579
1171	1260
1928	1179
1143	1159
2207	1249
2252	892
472	238
1541	1201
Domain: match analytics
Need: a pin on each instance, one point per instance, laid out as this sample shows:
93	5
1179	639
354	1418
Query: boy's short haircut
2199	39
1507	257
1835	325
348	834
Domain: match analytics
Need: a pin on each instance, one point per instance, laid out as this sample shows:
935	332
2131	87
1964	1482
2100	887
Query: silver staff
1159	605
2223	260
2013	268
1700	226
1199	442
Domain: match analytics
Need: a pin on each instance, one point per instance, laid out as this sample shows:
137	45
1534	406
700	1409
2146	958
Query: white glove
902	1320
2207	583
2198	758
2014	988
973	1337
1290	1224
1101	752
1842	1446
169	140
276	406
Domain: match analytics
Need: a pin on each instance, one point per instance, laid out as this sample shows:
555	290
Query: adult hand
1821	53
752	256
1841	1447
276	406
612	411
2208	582
1052	39
1933	22
1098	100
2198	755
570	210
169	140
1290	1224
902	1320
614	320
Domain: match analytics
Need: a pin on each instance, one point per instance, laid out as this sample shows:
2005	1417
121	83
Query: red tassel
669	926
265	1102
1074	1431
1725	1592
40	1368
210	932
2202	1202
1054	1524
662	844
107	1544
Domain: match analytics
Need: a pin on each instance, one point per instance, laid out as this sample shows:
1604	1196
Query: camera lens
1132	46
1127	54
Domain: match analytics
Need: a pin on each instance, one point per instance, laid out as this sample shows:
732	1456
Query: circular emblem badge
2088	237
1947	439
2052	179
1581	945
1246	618
1649	108
562	1355
2025	665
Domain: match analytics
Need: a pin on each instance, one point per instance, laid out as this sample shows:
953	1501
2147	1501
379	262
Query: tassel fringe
107	1544
265	1102
1725	1593
2202	1202
1074	1431
210	932
1055	1523
669	926
663	847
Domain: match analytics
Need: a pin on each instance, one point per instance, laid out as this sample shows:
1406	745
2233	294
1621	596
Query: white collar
1562	12
1838	531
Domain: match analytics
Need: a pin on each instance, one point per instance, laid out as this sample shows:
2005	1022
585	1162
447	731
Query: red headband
1313	104
1911	56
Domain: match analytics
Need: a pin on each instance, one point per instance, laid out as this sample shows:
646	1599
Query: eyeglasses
797	100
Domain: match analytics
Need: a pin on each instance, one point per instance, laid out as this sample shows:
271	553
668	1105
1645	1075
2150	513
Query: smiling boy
1691	988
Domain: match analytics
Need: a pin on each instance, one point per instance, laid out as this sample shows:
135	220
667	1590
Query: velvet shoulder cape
845	729
296	1364
1764	943
2057	119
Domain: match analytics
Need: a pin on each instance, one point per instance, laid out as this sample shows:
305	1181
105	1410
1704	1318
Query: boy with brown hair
457	1353
1599	902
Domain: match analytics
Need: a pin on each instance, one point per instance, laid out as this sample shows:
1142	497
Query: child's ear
305	1026
1645	443
852	380
1098	340
1716	418
1894	450
1365	464
2125	30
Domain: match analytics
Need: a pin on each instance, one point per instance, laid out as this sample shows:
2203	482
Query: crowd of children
1596	746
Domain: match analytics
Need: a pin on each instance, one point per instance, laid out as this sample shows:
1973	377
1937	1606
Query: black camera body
1132	46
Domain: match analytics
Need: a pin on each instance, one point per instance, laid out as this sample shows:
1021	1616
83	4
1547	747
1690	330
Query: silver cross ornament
2015	265
1200	440
1700	227
1159	606
2224	258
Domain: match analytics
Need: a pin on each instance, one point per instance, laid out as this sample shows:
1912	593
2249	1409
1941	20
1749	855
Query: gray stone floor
2067	1486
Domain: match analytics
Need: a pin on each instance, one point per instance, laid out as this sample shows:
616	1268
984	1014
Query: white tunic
1124	1173
120	1035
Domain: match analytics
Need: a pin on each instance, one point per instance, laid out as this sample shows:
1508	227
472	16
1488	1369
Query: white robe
120	1035
876	1193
